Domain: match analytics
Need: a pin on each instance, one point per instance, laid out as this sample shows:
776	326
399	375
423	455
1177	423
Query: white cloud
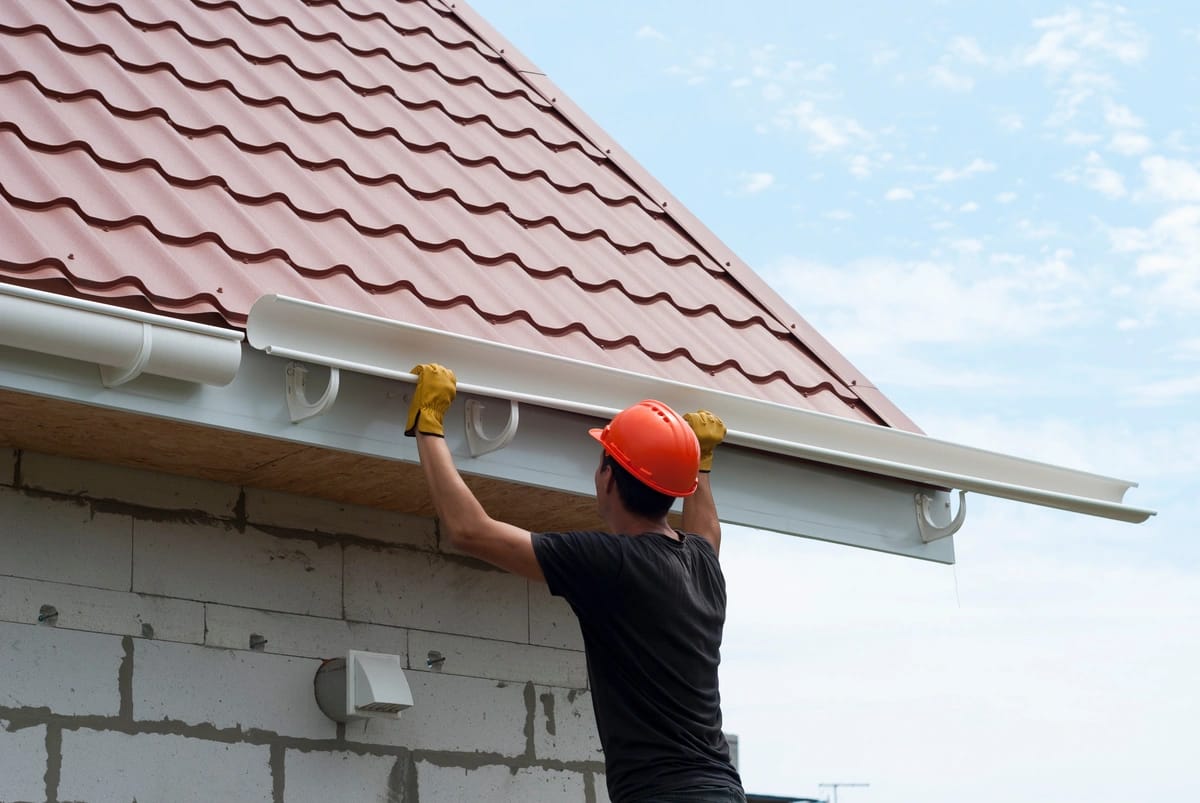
976	167
1166	391
1171	179
1106	181
1189	349
967	245
898	194
967	50
878	309
649	32
1128	143
752	183
1169	255
1011	121
1071	39
962	53
1095	175
860	166
839	214
1081	138
884	56
1006	197
1037	230
825	132
1076	49
969	206
942	76
1119	116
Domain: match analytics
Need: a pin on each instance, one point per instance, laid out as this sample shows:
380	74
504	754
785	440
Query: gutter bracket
929	530
480	444
299	407
112	377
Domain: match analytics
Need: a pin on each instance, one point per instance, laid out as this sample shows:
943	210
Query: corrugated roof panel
375	156
274	175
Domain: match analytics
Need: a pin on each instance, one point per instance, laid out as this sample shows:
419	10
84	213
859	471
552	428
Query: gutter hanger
338	338
124	343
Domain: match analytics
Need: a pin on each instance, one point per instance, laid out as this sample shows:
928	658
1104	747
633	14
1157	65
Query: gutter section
368	344
123	343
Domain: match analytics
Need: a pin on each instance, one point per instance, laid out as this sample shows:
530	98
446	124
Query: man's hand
710	431
431	399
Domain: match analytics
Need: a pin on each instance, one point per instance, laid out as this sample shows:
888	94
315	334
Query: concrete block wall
159	636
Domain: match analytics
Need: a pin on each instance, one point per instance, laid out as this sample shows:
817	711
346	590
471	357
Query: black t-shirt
651	610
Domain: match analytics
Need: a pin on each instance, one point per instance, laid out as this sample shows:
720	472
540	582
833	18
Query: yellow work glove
710	431
431	399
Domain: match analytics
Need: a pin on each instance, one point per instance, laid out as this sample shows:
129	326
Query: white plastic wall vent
353	341
363	684
124	343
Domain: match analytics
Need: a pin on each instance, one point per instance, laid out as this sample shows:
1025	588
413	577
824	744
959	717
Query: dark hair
638	497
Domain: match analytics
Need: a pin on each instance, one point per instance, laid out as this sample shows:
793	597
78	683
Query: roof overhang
367	344
782	469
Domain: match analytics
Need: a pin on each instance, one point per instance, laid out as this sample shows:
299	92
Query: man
650	599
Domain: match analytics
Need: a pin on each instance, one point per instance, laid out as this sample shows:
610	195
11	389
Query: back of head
637	496
657	455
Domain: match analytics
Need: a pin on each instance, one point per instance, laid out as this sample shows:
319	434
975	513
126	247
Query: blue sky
994	211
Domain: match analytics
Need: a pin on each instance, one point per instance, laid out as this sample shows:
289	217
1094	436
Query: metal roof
381	157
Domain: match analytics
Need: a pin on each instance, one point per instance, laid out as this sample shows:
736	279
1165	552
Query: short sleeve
581	567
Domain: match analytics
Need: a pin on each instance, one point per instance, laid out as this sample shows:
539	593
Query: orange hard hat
654	444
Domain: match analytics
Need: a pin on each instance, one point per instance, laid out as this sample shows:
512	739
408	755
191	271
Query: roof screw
48	614
257	642
435	660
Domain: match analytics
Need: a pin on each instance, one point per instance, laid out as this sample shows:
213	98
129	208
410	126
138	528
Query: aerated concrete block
102	611
133	486
453	713
552	623
498	783
308	636
277	509
227	689
64	541
564	726
111	767
67	671
319	777
22	762
600	787
216	563
434	592
499	660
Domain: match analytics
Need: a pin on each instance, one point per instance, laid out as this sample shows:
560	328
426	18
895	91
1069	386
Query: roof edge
123	343
772	301
362	343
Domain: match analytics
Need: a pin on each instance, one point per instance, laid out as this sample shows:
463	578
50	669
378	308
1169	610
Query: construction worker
650	599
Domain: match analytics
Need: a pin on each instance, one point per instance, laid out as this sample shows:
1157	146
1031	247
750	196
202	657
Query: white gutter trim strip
123	343
368	344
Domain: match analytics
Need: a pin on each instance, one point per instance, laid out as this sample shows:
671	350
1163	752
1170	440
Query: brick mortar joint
21	718
238	521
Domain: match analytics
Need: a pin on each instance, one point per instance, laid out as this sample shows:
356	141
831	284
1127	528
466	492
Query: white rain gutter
368	344
124	343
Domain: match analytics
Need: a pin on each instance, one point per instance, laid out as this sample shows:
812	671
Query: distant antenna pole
836	785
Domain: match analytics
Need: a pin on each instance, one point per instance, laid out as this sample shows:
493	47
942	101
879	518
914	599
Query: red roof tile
378	156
